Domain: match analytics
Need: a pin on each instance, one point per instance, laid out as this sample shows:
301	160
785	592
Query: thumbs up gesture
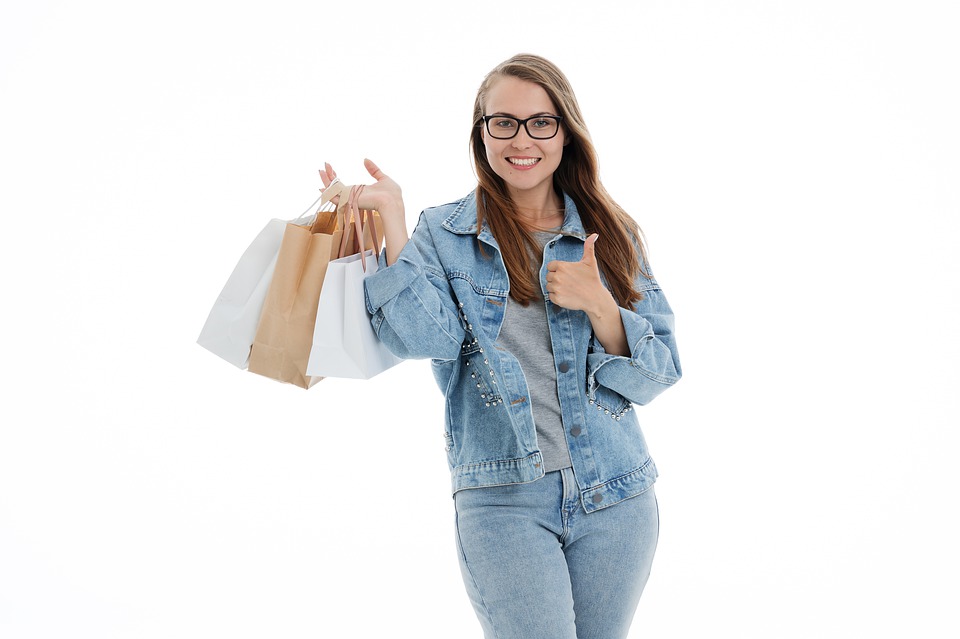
577	285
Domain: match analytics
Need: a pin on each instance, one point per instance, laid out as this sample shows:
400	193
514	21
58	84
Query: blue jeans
537	566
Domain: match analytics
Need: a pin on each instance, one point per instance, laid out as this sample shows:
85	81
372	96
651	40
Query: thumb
373	170
589	256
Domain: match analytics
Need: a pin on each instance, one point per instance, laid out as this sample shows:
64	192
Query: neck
539	210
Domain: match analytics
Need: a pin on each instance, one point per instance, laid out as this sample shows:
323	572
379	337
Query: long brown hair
578	176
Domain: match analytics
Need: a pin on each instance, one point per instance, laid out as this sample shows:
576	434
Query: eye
542	123
503	123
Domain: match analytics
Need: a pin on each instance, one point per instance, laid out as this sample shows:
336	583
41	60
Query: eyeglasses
539	127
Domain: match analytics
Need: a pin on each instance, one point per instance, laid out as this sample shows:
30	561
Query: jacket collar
463	220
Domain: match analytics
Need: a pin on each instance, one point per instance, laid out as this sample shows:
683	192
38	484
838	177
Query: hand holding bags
266	316
281	346
344	342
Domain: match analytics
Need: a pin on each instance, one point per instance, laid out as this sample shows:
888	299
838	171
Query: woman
534	299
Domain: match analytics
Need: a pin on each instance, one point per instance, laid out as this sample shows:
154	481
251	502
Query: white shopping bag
232	322
344	343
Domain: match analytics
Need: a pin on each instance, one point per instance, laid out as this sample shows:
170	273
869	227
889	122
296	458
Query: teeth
527	162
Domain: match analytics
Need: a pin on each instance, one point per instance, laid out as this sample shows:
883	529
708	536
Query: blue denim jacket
445	299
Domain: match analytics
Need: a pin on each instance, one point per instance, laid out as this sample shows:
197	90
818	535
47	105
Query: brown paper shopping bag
284	335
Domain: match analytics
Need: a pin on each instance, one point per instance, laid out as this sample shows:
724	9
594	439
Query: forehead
517	97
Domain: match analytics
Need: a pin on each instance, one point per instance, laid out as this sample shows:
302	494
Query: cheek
493	155
490	152
556	153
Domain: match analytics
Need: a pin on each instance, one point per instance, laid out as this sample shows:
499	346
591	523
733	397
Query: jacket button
564	367
597	498
575	431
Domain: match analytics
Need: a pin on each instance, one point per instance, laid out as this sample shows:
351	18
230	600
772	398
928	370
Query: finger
589	256
327	174
373	170
552	266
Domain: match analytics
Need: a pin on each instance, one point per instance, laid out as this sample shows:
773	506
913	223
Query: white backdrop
794	164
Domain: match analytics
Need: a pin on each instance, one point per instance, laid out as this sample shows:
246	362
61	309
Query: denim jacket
444	299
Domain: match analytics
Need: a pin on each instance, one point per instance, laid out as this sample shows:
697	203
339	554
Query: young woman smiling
535	302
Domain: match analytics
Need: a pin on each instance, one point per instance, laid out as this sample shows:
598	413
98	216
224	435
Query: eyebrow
535	115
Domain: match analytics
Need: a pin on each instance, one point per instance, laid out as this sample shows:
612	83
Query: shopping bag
232	322
281	345
344	342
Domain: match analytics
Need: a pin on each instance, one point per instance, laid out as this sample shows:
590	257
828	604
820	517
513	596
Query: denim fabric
444	298
536	565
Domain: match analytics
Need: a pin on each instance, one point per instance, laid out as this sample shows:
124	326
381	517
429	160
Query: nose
522	139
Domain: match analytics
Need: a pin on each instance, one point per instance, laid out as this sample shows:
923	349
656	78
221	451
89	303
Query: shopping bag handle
354	214
310	215
347	212
368	222
329	219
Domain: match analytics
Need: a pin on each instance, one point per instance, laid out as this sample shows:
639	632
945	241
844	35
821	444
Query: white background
795	167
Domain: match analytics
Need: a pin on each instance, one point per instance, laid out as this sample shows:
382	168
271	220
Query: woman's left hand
577	285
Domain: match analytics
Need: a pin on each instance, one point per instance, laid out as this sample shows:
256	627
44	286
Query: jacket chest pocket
479	373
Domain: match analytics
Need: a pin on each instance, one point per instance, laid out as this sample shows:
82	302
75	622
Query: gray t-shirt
526	335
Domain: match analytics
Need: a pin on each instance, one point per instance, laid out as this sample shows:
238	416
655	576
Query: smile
523	161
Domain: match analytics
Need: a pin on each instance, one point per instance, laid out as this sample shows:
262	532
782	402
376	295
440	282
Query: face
524	163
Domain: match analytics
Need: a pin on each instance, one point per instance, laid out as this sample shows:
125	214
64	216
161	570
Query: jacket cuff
389	281
638	331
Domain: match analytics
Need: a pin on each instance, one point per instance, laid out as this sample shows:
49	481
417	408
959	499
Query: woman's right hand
383	196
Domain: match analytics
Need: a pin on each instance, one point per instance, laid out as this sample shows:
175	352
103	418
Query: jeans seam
466	565
565	514
657	504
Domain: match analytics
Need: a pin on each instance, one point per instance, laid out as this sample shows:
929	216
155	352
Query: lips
523	162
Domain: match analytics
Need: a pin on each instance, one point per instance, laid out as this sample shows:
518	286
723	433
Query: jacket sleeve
411	302
653	365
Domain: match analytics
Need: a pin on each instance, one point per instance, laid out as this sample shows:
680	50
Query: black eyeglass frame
558	118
